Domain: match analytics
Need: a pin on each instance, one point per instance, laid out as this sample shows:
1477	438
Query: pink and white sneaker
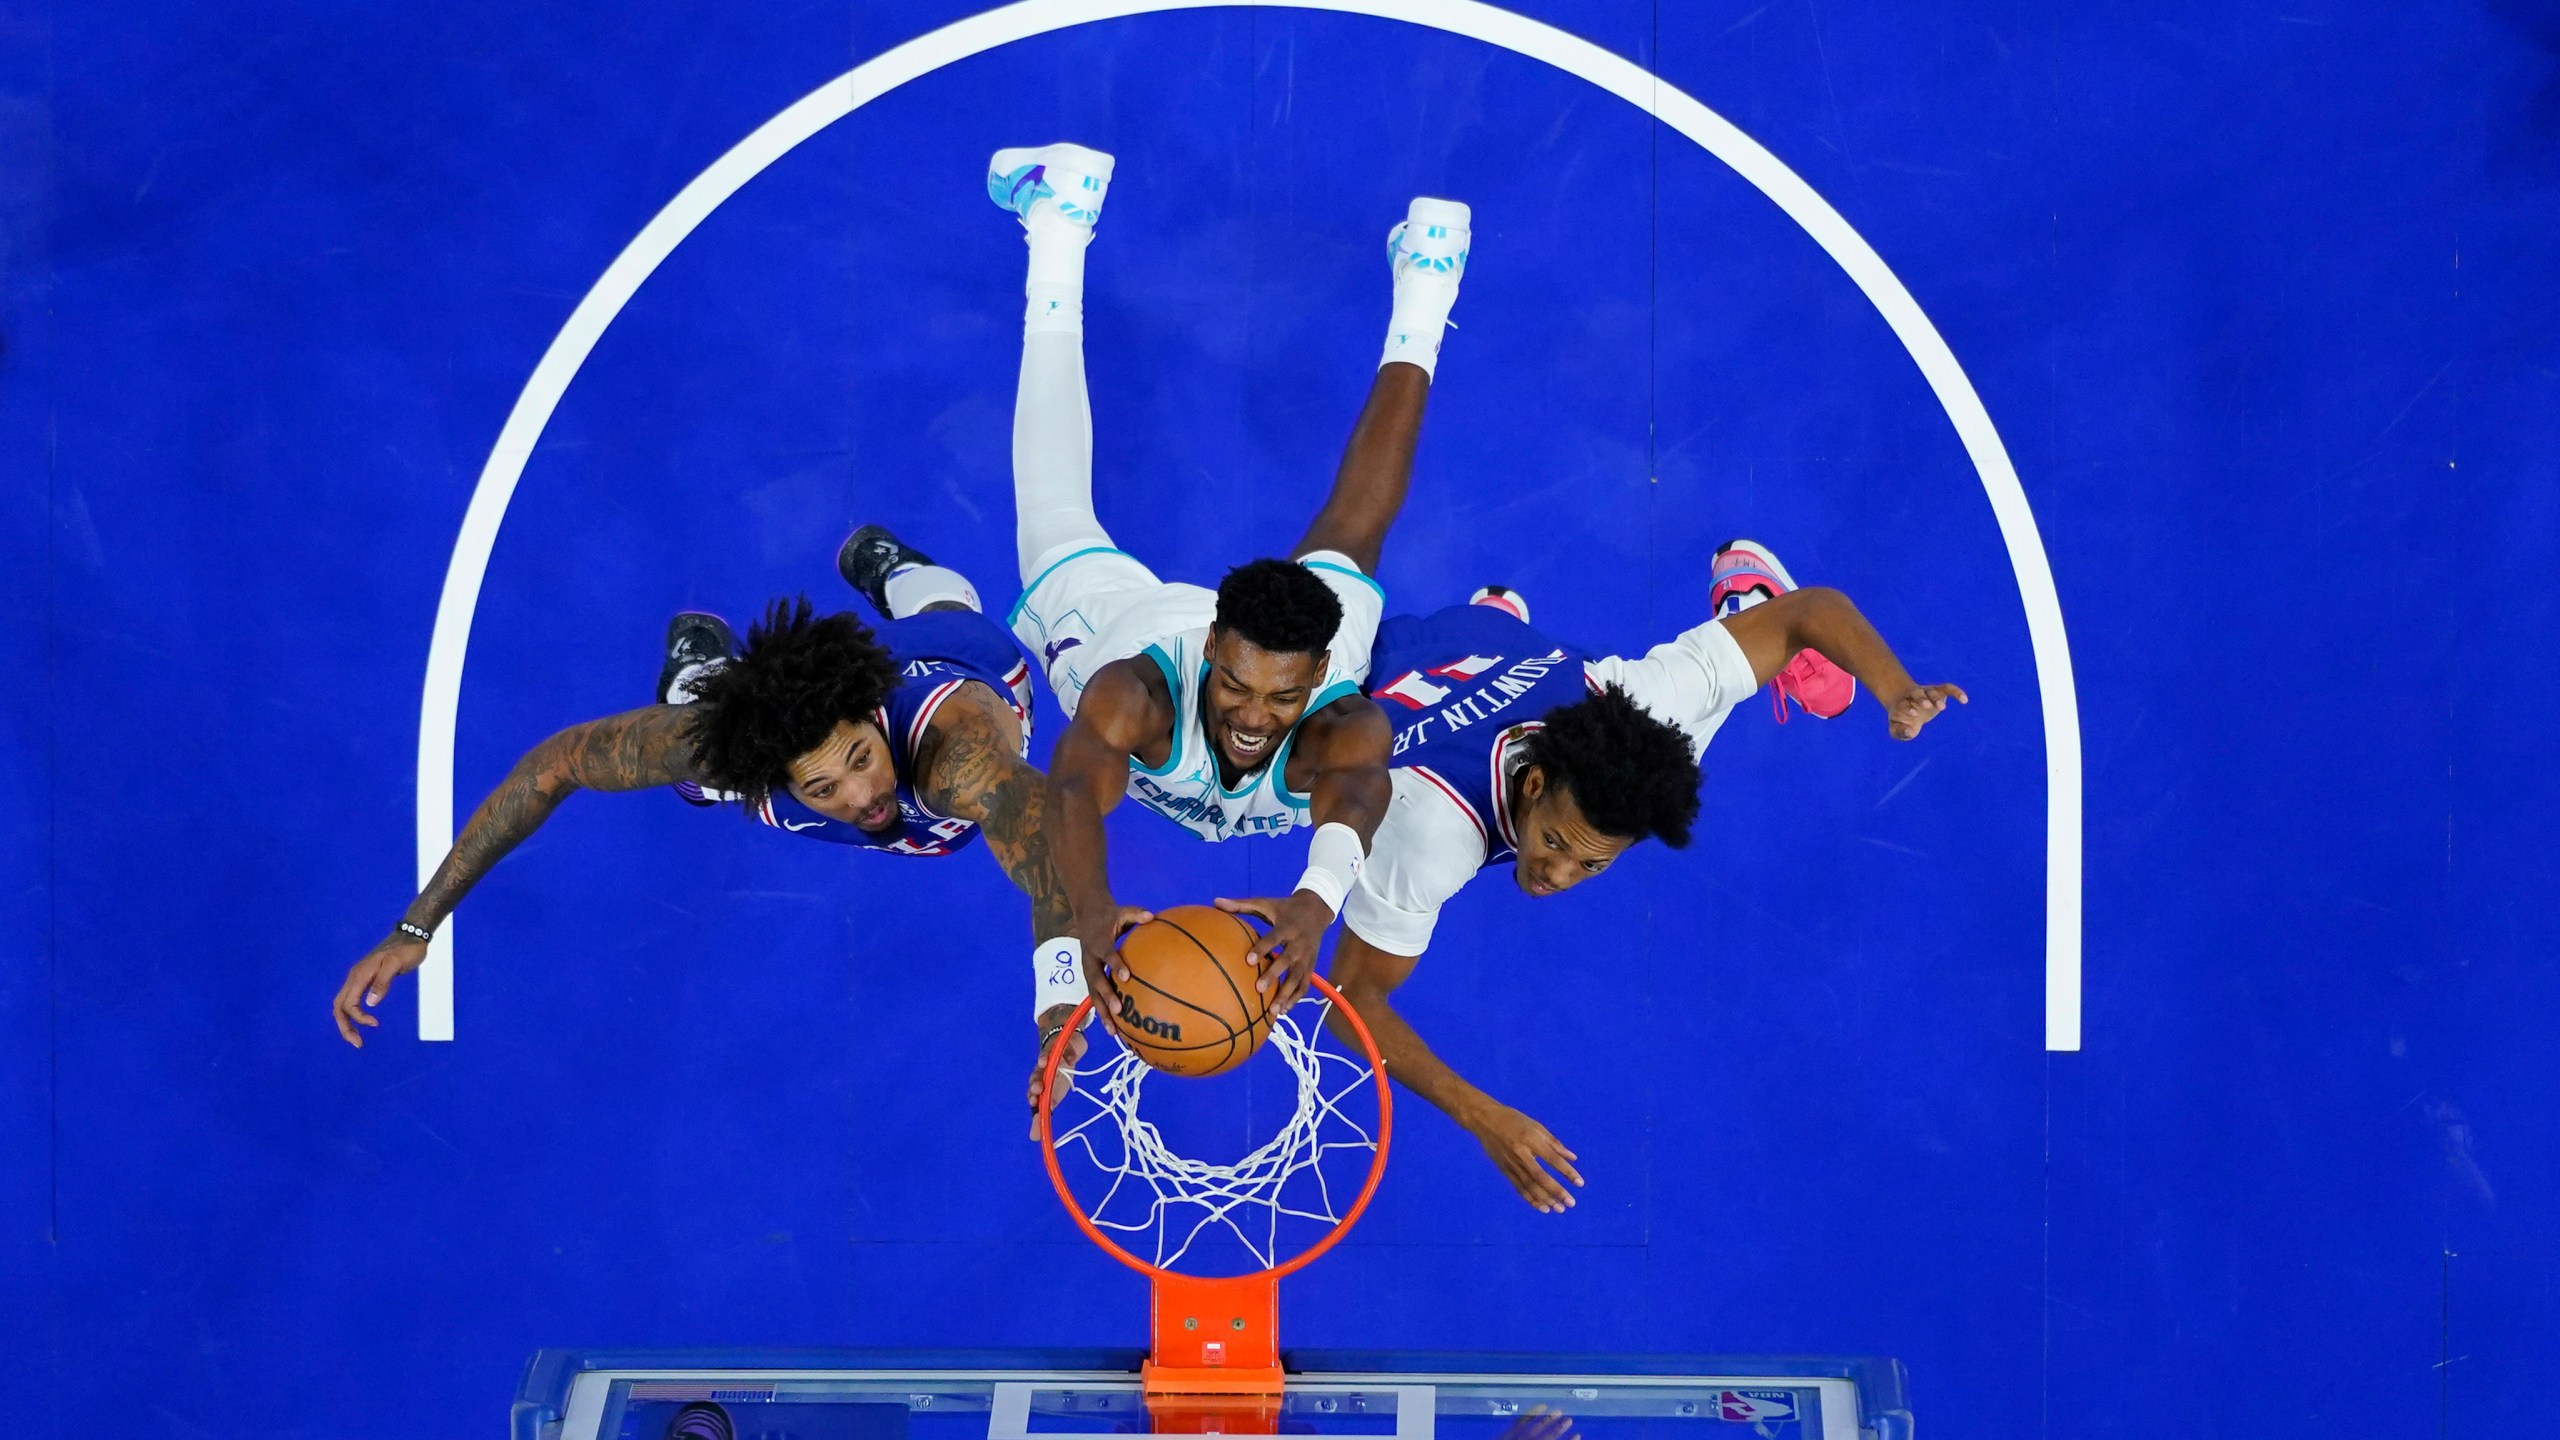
1503	598
1746	574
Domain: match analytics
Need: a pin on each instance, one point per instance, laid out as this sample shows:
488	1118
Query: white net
1168	1203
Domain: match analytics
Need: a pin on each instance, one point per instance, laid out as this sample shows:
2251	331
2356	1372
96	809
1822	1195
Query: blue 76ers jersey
1462	686
937	652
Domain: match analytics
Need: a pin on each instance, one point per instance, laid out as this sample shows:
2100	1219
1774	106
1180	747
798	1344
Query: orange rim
1295	1263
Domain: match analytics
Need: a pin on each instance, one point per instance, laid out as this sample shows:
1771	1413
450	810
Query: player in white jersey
1515	750
1234	712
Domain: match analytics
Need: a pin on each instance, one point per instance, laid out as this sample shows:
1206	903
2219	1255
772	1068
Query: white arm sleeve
1692	681
1425	851
1364	603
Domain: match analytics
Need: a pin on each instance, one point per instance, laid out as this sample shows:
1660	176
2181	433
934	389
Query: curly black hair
1280	606
1632	775
800	675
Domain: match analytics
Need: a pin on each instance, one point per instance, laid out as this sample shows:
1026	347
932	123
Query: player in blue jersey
1234	712
906	738
1514	750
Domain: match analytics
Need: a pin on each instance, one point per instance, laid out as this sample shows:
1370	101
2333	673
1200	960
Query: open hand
1540	1423
1050	1021
1101	942
1519	1145
370	980
1905	713
1286	953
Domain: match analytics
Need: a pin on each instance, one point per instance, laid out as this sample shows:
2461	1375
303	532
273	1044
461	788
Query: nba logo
1745	1405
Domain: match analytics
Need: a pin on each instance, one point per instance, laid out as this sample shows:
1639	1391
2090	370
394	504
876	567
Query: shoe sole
1448	214
1065	154
844	567
1760	553
1510	602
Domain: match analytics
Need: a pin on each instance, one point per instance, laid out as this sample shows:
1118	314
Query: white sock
1056	284
913	587
1422	304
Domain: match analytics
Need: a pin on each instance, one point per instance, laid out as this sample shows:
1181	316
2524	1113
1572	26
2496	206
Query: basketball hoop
1217	1336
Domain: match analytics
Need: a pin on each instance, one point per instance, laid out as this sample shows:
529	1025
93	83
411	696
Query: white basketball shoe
1427	252
1070	179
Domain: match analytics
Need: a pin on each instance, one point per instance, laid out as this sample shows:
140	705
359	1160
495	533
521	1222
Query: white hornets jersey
1187	789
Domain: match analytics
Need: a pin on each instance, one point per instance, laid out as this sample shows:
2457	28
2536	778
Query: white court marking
442	700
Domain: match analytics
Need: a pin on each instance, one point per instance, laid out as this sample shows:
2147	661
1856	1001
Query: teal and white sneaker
1431	239
1071	178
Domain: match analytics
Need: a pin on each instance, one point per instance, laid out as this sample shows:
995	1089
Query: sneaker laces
1782	688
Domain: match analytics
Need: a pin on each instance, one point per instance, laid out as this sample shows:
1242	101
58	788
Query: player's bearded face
1254	696
849	777
1558	847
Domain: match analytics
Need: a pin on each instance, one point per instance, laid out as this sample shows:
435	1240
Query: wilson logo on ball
1161	1029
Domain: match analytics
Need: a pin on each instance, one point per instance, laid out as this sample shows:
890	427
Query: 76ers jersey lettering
1459	685
937	653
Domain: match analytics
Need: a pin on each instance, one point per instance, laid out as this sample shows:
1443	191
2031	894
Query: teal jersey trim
1338	690
1016	612
1279	773
1341	570
1173	747
1297	799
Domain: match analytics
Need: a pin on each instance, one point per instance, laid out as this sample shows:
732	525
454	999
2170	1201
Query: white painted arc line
440	701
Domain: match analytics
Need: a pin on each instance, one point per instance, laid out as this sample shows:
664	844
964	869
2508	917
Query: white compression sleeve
1334	858
1052	451
1052	418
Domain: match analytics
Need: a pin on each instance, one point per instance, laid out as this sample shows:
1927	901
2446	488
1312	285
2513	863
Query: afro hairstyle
1279	606
1631	775
800	675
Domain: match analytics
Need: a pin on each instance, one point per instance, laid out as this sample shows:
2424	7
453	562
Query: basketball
1190	1006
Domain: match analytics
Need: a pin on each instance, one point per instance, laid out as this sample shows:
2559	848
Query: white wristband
1334	858
1057	975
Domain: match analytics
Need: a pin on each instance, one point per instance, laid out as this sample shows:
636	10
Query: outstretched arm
972	769
1367	975
1125	709
1348	743
1377	463
635	750
1822	619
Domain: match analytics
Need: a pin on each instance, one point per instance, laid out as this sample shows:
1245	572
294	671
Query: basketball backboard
1032	1395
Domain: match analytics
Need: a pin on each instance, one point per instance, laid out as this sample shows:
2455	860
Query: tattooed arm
971	768
635	750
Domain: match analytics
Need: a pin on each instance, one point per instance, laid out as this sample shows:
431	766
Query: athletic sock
1422	304
912	587
1056	285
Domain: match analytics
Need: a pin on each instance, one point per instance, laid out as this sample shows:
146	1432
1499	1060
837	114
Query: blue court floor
2254	302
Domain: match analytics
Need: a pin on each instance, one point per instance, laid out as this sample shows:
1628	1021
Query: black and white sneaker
869	556
696	642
